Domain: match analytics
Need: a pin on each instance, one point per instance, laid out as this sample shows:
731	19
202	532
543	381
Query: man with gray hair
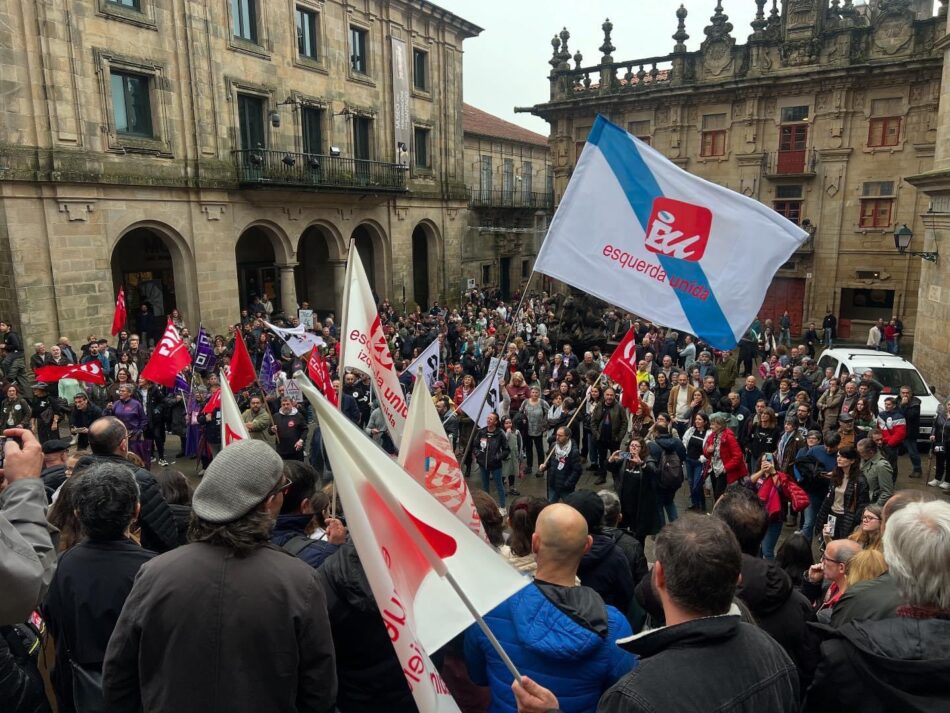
228	622
901	663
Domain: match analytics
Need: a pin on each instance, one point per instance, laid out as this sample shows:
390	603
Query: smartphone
770	458
3	443
831	522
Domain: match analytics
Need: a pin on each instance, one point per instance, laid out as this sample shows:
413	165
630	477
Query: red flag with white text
120	316
170	356
408	543
90	372
367	350
622	368
319	374
427	455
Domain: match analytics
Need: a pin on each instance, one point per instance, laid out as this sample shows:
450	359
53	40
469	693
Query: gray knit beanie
239	479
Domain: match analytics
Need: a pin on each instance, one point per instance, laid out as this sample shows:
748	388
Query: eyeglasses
868	518
282	487
825	558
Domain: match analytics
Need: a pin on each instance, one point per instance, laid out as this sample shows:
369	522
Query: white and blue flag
639	232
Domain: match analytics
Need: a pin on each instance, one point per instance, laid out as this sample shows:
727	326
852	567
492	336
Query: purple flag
181	385
269	369
204	352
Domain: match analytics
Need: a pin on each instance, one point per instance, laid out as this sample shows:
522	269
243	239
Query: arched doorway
154	269
317	271
363	241
258	275
420	267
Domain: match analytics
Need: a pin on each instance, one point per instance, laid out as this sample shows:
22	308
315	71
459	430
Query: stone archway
264	268
320	269
155	266
425	264
370	242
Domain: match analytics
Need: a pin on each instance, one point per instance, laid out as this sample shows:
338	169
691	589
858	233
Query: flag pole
500	354
400	513
574	416
344	316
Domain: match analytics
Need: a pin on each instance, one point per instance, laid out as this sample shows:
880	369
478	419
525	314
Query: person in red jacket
892	424
723	455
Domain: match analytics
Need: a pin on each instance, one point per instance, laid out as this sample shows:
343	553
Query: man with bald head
826	582
555	631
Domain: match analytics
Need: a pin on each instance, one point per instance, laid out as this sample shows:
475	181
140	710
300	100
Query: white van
892	372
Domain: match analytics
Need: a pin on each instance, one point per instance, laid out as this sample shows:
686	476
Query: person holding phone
771	485
847	496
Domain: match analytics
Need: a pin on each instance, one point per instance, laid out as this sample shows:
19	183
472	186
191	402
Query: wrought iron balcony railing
485	198
262	167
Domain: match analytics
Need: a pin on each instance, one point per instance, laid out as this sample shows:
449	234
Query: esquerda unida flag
639	232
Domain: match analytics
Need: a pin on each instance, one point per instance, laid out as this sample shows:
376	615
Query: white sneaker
934	483
945	486
162	462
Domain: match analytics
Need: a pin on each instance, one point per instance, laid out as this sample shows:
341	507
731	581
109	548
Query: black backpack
671	471
805	469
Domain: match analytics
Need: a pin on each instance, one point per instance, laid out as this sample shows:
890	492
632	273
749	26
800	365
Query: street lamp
902	238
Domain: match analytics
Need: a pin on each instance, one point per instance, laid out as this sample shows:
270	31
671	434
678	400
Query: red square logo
678	229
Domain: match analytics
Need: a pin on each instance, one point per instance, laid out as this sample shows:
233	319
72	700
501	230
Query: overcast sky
507	65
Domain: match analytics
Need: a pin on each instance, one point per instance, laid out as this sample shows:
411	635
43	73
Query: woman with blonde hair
865	565
869	533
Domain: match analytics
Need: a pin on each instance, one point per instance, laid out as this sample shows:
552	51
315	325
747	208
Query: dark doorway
504	277
364	246
142	263
314	274
420	267
257	274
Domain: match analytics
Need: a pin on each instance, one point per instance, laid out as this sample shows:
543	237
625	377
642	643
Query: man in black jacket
564	467
109	441
909	405
93	578
705	658
491	449
290	426
778	608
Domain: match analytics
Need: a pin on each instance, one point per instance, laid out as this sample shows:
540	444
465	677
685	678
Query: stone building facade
818	114
509	180
203	151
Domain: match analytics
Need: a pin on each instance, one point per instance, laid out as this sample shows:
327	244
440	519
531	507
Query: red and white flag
170	356
232	423
622	368
319	374
118	319
408	543
426	454
90	372
365	348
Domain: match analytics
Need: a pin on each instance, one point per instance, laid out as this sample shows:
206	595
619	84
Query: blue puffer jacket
562	637
289	526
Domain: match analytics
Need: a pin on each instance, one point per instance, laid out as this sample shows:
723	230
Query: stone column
288	289
338	268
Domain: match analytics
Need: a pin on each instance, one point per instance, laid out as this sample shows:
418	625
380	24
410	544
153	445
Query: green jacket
258	427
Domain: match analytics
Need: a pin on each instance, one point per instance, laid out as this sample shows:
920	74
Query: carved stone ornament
893	34
717	47
801	52
801	13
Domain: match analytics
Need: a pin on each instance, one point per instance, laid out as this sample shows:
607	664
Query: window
714	135
307	33
877	202
134	4
790	209
884	131
866	304
251	122
580	138
525	268
484	176
244	19
358	58
362	138
794	114
508	179
527	174
131	107
642	130
311	124
420	70
486	274
420	139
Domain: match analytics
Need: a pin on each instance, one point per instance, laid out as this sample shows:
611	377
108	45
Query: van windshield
893	379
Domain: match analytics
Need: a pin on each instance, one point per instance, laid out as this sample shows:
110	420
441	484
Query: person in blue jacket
557	632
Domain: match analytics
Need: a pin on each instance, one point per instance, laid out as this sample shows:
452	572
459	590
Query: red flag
320	376
242	372
622	368
118	319
170	356
90	372
214	402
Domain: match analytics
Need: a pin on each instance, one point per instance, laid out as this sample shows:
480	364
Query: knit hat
588	504
239	479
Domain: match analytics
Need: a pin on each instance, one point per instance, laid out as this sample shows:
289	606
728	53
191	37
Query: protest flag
319	374
486	397
639	232
90	372
428	359
242	372
622	368
170	356
232	423
118	319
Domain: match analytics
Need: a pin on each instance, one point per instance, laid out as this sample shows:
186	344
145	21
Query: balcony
791	164
483	198
282	169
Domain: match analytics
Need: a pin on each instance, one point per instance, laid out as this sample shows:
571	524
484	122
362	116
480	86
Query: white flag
365	348
641	233
300	341
426	454
407	542
232	423
428	359
473	405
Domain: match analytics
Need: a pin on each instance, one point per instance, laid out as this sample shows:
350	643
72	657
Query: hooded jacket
290	526
900	664
606	570
781	611
562	637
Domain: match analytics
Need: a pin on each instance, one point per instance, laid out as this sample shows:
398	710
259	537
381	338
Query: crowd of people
131	589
